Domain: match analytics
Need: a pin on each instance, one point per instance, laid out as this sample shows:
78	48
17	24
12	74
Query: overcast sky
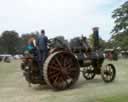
69	18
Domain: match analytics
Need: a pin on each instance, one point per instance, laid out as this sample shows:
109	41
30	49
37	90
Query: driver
42	44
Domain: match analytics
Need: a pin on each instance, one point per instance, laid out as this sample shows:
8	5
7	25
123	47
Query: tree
10	42
1	46
120	40
120	31
91	40
120	16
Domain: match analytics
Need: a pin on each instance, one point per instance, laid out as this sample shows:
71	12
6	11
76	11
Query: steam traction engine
62	66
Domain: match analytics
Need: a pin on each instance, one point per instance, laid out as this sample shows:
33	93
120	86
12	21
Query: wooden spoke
108	73
88	73
54	68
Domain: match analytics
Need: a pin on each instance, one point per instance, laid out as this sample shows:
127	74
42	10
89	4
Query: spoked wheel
61	70
88	73
108	73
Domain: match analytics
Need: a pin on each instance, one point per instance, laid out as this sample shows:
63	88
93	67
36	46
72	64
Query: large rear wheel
61	70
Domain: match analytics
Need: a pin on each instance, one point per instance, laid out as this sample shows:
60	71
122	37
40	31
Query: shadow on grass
41	87
78	85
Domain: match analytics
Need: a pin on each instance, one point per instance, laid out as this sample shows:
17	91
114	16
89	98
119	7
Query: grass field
13	87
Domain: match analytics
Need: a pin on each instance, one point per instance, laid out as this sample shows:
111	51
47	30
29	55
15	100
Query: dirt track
13	87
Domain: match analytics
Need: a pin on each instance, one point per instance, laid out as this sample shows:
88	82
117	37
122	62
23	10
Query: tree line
12	43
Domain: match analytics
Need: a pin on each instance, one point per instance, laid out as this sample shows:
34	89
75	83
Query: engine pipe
96	38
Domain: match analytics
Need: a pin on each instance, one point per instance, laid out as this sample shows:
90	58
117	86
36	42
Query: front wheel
108	73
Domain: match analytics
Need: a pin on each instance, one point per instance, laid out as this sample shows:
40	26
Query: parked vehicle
6	58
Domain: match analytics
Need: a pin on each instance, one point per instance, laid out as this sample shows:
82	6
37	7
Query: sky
68	18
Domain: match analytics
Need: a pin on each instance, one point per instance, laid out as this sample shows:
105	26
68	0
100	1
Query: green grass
118	98
121	65
7	69
13	87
